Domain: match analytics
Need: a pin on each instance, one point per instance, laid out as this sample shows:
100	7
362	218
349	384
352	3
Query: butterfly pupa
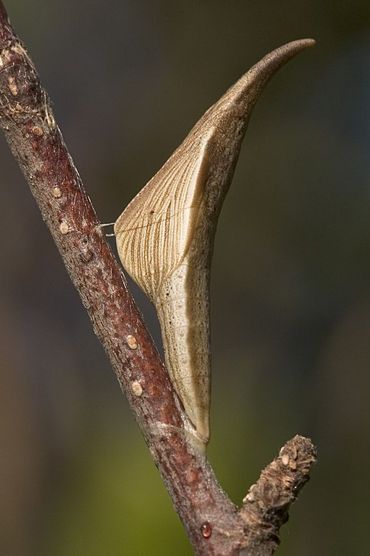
165	235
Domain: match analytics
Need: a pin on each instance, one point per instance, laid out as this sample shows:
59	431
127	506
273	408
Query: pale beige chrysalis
165	235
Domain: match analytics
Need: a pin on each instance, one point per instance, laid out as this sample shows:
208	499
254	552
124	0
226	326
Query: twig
265	507
213	524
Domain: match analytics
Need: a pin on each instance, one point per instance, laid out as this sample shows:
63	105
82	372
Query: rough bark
213	523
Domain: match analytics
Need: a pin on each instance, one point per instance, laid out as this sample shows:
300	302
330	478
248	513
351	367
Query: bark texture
214	525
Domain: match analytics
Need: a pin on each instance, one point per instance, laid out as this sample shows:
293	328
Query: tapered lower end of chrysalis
196	439
199	444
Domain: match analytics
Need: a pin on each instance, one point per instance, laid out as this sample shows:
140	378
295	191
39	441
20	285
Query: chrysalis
165	235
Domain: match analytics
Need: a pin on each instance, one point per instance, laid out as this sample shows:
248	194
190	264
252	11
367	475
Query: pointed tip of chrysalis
272	61
249	87
289	49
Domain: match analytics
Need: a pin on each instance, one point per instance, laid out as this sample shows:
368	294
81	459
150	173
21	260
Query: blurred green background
290	280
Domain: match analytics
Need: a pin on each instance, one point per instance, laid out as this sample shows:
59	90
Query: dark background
290	279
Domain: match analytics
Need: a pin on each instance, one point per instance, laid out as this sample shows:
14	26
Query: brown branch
213	524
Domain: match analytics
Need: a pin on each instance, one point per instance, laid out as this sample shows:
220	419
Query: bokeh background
290	279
